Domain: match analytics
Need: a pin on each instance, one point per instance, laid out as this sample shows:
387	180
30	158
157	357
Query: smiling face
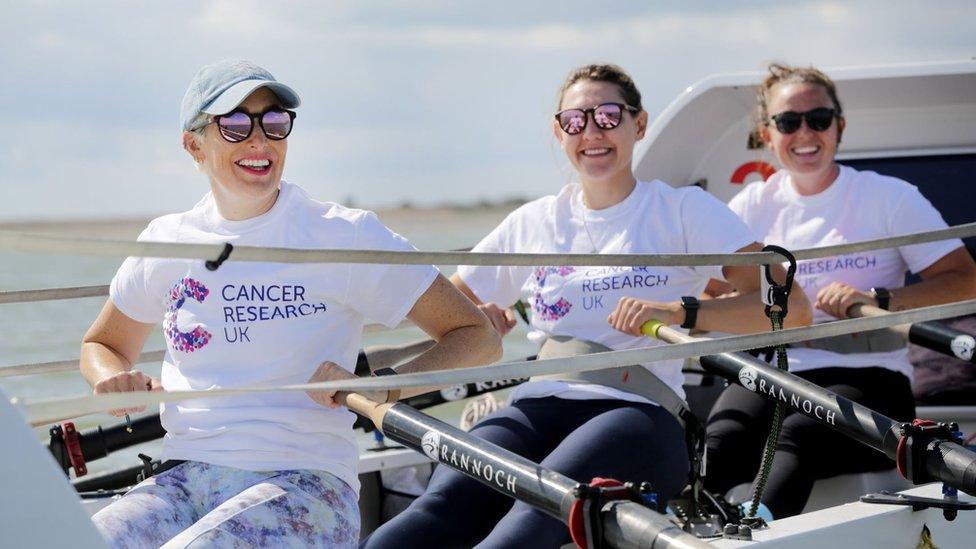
807	154
244	176
601	157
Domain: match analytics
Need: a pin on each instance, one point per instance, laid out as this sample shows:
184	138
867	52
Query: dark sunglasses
606	117
236	126
818	120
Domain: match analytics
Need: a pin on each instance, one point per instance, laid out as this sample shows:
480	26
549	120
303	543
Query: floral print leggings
201	505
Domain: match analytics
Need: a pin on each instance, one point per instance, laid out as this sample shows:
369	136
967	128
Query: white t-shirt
857	206
576	301
249	324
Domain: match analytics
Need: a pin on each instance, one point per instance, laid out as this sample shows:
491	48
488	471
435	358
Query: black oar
931	335
623	523
923	455
98	442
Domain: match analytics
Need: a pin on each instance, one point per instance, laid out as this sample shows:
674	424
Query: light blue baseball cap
220	87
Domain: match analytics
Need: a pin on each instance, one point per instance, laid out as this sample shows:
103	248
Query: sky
422	102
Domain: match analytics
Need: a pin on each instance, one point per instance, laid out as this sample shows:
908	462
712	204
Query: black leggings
808	449
578	438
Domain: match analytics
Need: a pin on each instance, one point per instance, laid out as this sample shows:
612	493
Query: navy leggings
578	438
808	449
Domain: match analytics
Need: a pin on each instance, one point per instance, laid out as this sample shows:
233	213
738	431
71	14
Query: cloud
404	100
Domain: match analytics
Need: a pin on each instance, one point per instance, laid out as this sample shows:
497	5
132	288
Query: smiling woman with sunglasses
260	469
814	201
586	427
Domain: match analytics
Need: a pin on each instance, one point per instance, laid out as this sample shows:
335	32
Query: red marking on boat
764	169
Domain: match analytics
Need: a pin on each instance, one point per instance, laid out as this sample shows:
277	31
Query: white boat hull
858	525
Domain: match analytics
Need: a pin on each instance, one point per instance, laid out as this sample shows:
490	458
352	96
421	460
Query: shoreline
129	227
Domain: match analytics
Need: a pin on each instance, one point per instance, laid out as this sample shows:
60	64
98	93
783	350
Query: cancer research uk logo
747	376
550	311
198	337
962	346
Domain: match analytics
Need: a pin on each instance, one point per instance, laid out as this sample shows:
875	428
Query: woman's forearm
459	348
944	288
99	361
951	278
745	313
111	345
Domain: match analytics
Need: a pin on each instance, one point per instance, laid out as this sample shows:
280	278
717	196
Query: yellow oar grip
651	327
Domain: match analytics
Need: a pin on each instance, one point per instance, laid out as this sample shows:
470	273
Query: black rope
769	450
776	297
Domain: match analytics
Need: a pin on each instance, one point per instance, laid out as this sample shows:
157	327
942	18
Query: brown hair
780	73
604	73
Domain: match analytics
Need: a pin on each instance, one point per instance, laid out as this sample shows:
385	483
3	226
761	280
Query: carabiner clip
774	294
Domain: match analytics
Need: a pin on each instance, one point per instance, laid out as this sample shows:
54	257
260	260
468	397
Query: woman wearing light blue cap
264	468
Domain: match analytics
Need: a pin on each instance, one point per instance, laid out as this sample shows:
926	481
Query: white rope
19	241
43	411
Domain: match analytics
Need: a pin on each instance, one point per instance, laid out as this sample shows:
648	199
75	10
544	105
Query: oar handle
364	406
863	309
659	330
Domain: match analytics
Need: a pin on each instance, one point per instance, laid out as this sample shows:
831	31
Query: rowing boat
701	139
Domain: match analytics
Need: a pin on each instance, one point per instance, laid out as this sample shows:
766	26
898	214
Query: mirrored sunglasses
237	125
606	116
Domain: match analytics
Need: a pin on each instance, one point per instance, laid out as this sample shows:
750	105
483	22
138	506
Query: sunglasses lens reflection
607	116
277	124
235	126
572	121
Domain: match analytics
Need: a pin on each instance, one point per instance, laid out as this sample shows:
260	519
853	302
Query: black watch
883	296
384	372
690	305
